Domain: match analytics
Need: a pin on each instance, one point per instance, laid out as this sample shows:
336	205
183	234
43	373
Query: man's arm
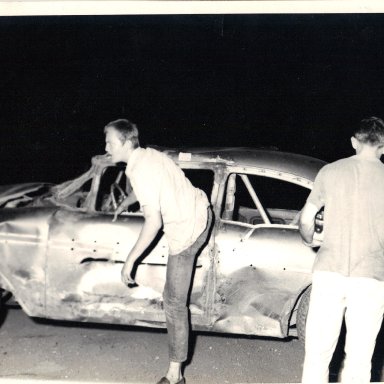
307	224
150	229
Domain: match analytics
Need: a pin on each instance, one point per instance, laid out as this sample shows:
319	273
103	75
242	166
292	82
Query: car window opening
258	199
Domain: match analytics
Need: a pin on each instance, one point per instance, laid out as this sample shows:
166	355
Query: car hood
14	191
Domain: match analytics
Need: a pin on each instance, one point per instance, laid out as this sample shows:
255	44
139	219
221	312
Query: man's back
159	182
348	278
352	191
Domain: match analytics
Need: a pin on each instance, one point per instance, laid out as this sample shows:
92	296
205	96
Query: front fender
23	245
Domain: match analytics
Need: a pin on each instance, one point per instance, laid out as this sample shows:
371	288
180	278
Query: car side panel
85	257
261	272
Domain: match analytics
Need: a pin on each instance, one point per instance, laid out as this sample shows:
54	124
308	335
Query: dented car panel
92	251
61	255
258	279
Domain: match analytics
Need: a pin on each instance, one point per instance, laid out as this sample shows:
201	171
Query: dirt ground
32	349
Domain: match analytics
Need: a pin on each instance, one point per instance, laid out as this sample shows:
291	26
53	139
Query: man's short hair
126	130
370	131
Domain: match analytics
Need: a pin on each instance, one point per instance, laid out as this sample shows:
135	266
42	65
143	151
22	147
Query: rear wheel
302	312
2	292
5	298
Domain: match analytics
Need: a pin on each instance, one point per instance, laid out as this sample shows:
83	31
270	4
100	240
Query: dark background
295	82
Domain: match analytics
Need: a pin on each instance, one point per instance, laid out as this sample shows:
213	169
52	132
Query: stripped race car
61	254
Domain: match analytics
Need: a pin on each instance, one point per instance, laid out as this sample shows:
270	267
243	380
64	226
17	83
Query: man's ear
128	144
354	142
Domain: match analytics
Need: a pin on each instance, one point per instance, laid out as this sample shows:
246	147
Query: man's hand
314	244
126	277
307	223
152	225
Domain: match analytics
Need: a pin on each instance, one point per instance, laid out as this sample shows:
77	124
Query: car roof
271	159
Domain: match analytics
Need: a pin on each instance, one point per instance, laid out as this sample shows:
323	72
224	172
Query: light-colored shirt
352	193
160	183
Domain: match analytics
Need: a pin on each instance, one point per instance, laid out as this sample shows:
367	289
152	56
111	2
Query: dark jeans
176	290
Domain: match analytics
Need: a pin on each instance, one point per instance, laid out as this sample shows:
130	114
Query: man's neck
368	153
129	153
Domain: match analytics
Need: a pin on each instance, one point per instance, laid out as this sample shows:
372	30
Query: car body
61	254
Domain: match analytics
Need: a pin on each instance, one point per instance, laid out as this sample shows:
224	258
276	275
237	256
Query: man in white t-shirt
169	202
348	273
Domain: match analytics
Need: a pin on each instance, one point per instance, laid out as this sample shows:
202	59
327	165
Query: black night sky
295	82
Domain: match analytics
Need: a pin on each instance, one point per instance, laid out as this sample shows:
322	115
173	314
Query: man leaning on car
348	274
169	202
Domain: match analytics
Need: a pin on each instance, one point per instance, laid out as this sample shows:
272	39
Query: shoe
164	380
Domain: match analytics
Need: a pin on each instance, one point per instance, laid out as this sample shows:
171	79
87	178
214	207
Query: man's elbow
306	237
306	231
307	222
153	219
157	224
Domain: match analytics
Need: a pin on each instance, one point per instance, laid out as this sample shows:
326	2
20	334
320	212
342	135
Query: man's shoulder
139	161
334	169
343	163
353	165
354	161
154	153
152	161
148	155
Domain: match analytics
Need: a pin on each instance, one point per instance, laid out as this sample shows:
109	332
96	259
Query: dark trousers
177	286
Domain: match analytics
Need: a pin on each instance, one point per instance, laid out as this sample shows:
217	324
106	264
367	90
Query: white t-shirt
352	193
160	183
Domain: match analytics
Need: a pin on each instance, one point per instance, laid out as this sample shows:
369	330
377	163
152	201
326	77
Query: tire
1	307
302	312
